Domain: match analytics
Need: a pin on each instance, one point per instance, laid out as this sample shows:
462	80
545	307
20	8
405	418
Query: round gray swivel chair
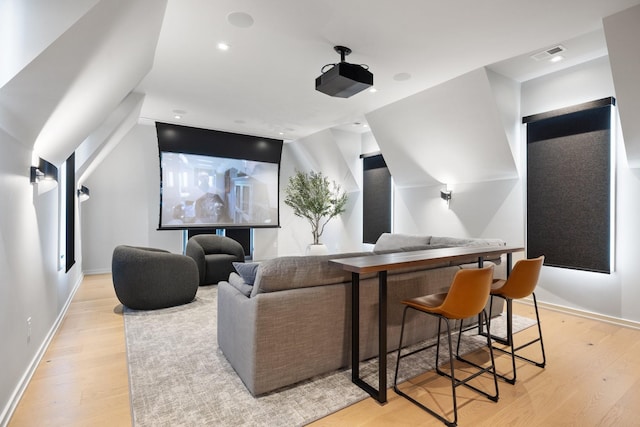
214	256
148	278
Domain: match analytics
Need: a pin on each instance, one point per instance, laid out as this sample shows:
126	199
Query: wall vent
548	53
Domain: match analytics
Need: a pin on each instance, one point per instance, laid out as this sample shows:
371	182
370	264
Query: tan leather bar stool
521	283
467	297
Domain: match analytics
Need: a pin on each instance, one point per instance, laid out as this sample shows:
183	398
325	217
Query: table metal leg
355	327
380	394
382	336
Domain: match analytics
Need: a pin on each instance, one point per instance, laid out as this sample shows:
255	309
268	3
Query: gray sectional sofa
294	321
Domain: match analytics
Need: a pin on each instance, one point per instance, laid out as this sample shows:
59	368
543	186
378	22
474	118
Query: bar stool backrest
523	278
468	294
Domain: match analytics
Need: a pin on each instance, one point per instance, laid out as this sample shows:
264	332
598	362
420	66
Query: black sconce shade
44	170
83	193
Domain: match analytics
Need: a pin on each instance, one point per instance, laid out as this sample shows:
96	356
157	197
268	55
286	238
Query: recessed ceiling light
400	77
223	46
177	114
556	58
240	19
373	90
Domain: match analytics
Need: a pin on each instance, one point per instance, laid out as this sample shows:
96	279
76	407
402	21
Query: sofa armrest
236	330
279	338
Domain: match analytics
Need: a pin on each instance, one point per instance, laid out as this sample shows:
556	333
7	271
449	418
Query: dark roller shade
70	200
569	188
376	196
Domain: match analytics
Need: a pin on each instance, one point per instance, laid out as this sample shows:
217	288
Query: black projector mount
343	51
344	79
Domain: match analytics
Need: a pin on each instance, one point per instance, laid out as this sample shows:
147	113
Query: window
67	214
569	186
376	198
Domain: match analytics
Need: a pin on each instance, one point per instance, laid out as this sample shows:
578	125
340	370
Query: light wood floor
592	377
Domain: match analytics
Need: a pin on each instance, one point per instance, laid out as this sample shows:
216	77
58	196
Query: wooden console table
381	264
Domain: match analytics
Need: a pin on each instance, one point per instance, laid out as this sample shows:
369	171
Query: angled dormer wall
464	135
335	153
27	28
450	134
113	130
622	32
64	93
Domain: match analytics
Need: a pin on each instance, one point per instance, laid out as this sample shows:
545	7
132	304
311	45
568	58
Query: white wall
30	284
125	196
613	294
486	209
582	83
336	155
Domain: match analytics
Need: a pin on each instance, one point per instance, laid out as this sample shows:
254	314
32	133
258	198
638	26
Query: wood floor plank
82	379
592	377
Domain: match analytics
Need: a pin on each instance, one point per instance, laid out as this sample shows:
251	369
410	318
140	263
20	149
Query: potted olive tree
314	198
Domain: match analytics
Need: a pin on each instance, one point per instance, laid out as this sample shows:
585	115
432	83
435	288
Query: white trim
583	313
8	411
96	271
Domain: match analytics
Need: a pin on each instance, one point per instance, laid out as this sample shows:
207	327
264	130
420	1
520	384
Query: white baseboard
7	412
96	271
583	313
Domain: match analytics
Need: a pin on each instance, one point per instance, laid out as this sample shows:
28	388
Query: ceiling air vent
547	54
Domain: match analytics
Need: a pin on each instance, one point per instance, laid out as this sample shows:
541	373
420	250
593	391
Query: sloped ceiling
28	27
103	140
622	32
90	54
318	152
264	84
449	134
66	92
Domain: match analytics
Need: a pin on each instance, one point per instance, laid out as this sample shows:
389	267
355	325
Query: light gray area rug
179	377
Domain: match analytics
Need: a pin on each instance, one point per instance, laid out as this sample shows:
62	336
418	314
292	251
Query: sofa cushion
238	282
466	242
247	270
423	248
469	242
391	241
292	272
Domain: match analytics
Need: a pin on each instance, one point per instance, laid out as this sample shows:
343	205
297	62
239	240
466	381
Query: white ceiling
264	84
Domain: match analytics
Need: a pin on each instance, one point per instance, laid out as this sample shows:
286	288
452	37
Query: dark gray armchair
214	256
148	278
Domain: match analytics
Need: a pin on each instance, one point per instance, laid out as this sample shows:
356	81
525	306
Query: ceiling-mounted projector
343	79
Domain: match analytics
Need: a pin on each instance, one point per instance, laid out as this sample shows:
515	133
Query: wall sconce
446	196
83	193
44	170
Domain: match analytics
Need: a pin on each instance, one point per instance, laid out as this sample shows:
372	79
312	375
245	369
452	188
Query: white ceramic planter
319	249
